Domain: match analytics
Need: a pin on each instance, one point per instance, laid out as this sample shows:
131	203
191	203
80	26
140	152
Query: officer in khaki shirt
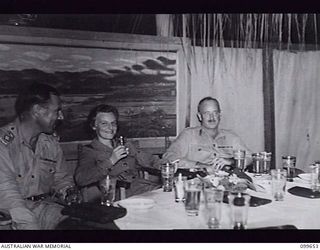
206	146
32	168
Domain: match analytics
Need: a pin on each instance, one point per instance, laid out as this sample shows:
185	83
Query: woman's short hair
102	108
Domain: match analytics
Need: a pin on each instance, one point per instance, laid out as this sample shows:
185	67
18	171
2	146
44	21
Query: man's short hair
102	108
35	93
208	98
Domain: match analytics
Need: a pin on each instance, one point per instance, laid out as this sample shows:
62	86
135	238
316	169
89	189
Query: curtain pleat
297	106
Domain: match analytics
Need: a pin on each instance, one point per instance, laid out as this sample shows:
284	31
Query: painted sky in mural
142	84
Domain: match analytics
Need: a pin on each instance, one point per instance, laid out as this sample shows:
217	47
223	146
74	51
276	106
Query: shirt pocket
225	150
47	169
198	152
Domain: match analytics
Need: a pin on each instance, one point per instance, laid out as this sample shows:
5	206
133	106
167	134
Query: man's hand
219	163
216	163
118	153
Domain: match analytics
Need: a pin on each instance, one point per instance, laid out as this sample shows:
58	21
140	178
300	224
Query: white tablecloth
304	213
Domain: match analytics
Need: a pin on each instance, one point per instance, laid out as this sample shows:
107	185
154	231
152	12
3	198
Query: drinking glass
167	172
315	177
278	183
121	141
239	157
289	163
265	158
213	200
179	186
192	194
239	207
108	191
257	164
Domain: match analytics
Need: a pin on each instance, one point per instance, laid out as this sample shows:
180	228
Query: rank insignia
7	137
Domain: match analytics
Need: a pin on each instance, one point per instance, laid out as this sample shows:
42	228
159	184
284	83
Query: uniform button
19	175
199	149
32	176
124	164
50	170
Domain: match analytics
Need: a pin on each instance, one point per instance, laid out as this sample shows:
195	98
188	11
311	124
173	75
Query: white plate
305	177
221	173
137	203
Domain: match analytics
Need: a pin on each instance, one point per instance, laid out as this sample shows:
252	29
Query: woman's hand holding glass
118	153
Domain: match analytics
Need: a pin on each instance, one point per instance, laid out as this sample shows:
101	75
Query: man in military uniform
206	146
32	168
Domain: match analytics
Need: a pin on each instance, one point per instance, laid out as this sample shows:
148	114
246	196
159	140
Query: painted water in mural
141	84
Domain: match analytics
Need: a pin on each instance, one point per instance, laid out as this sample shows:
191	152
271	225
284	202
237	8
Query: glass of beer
239	157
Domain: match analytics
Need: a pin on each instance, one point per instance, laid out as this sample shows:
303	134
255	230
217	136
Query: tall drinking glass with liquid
278	183
167	173
265	158
193	190
213	198
257	167
289	163
108	190
239	157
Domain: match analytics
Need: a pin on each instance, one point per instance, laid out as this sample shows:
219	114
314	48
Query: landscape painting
141	84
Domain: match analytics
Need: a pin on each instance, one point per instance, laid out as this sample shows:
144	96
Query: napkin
254	201
94	212
304	192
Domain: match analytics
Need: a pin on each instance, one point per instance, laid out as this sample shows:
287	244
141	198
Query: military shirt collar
220	135
100	146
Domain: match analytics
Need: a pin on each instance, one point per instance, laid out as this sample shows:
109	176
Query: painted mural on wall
141	84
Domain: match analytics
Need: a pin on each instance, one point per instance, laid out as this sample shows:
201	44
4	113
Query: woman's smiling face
105	125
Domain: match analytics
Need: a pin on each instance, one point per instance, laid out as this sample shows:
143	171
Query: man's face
51	115
209	114
106	125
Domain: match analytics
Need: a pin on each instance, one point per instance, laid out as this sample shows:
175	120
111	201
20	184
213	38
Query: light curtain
297	106
234	77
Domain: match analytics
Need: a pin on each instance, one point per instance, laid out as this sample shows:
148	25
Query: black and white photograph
160	124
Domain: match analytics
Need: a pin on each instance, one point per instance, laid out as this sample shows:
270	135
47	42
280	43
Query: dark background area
117	23
145	24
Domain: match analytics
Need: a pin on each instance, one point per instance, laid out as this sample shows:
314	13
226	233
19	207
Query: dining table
167	214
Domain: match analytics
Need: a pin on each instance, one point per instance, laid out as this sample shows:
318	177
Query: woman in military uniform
103	156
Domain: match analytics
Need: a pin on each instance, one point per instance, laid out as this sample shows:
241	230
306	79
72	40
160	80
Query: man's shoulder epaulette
7	134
